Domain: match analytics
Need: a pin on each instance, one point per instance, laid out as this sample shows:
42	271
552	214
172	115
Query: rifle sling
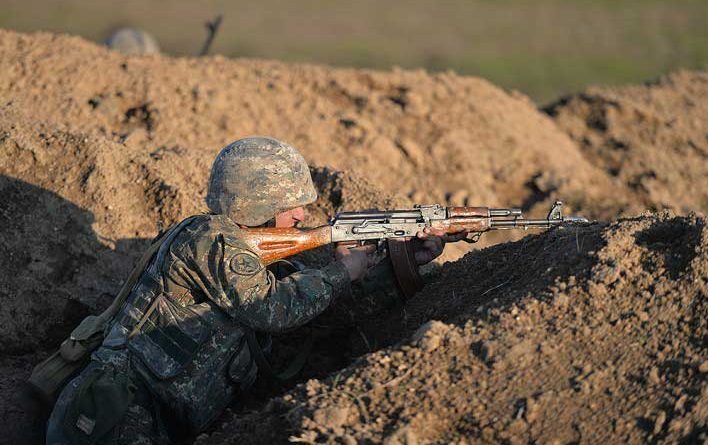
139	268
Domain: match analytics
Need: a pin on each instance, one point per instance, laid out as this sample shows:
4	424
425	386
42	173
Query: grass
544	48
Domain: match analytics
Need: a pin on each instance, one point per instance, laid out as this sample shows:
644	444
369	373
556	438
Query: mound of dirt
652	137
583	335
99	151
437	138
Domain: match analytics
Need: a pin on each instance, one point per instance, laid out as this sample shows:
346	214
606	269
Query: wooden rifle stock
275	243
460	212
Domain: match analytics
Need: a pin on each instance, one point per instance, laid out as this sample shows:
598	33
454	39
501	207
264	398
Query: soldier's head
132	41
259	179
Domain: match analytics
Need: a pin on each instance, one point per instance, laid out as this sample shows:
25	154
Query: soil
583	335
651	137
99	151
434	138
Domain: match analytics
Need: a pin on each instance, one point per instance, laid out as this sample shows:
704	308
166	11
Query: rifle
392	229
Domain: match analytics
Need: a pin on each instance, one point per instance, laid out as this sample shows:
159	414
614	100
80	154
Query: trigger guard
474	238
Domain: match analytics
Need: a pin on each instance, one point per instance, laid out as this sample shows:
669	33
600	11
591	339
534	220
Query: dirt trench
50	286
99	151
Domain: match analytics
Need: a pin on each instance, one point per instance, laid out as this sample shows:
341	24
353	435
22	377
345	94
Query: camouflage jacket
200	291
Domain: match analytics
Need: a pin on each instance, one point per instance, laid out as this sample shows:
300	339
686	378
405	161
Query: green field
544	48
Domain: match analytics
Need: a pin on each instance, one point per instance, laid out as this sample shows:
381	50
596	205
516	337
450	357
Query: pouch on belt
99	404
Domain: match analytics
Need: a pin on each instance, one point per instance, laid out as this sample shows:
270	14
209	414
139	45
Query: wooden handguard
275	243
463	224
458	212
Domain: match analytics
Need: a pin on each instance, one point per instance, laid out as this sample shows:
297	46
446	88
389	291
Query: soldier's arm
256	298
379	289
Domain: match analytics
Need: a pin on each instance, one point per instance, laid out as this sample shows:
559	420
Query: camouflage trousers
138	425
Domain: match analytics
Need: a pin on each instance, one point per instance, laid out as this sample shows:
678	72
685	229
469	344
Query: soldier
178	351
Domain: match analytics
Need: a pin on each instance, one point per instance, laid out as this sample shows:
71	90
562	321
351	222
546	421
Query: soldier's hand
355	259
431	243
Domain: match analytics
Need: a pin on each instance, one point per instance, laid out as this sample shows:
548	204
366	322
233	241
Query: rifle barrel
509	223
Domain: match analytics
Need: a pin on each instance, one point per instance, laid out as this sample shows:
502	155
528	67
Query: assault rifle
392	229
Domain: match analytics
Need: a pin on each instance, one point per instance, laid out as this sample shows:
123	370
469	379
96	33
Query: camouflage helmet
254	178
131	41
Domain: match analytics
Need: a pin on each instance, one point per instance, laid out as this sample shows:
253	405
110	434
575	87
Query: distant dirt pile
653	138
584	335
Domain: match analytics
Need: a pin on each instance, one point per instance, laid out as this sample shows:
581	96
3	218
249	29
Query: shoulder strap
165	238
92	325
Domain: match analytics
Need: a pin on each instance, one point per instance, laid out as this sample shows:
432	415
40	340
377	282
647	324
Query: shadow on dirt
675	241
486	282
55	271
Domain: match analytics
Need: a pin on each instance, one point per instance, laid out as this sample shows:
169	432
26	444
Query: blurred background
544	48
